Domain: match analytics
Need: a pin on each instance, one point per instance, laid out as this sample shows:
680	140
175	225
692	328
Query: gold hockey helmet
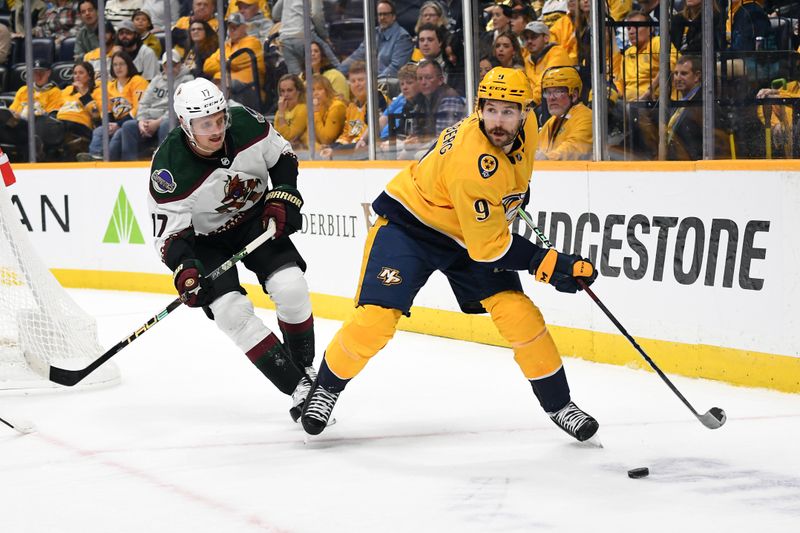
506	84
562	77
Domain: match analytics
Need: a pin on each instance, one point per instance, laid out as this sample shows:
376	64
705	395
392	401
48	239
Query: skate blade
311	438
591	442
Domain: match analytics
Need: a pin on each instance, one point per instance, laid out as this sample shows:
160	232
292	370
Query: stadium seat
17	77
5	18
17	54
782	31
6	99
3	78
44	48
346	35
66	51
62	73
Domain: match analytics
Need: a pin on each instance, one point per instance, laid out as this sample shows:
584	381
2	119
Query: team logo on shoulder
487	165
256	115
390	276
163	182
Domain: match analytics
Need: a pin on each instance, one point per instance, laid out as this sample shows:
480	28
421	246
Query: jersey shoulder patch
174	170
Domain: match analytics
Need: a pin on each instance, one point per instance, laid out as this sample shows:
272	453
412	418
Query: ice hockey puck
637	473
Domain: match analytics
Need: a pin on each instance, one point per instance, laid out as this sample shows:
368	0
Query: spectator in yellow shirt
291	119
567	134
641	60
124	90
80	111
240	68
46	101
563	30
329	112
543	55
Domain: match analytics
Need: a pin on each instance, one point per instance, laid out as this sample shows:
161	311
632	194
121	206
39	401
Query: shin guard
361	337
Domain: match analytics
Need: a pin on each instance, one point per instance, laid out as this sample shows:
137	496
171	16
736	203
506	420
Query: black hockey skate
571	419
301	393
318	408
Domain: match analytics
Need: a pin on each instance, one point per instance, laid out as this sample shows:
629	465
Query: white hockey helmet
198	98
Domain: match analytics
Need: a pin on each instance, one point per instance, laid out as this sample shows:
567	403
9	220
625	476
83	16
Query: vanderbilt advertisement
681	256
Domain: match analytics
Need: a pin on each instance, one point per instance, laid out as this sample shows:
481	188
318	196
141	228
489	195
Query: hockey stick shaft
71	377
713	419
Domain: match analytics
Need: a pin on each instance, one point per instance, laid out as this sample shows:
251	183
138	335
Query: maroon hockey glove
283	205
194	288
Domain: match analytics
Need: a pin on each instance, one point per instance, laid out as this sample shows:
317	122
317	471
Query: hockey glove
194	288
563	270
283	205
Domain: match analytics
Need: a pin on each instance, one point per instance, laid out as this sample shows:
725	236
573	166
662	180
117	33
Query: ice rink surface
435	435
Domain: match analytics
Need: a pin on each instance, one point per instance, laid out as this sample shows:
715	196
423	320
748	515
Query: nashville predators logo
390	276
510	204
487	165
237	193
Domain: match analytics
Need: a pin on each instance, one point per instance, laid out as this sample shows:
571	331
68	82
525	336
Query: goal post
40	324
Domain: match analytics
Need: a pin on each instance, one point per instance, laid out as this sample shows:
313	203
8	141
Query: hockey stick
71	377
20	425
713	418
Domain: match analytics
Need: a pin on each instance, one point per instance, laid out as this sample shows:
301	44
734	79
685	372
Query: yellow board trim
738	367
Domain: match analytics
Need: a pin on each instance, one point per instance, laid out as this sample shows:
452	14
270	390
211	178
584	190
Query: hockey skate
317	409
571	419
301	393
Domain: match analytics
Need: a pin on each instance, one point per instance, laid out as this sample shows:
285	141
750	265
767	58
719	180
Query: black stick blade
714	418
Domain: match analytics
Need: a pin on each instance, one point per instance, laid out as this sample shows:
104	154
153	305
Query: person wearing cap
143	24
151	124
542	54
93	56
567	134
143	56
46	100
258	25
240	69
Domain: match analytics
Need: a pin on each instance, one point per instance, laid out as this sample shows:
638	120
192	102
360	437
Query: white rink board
748	302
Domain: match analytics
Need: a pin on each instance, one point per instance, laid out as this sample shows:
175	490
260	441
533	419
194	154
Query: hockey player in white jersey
210	196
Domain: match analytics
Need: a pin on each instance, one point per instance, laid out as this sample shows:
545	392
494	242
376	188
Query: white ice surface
435	435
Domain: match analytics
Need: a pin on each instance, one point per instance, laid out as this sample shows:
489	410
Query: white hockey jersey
195	195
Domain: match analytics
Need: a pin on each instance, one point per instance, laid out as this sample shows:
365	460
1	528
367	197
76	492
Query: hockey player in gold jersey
451	212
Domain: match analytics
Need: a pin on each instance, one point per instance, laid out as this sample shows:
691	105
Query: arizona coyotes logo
237	193
390	276
487	165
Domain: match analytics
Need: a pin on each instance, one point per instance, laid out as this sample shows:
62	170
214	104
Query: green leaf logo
123	226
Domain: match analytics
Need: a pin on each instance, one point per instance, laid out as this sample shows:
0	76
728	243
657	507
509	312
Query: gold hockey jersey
469	189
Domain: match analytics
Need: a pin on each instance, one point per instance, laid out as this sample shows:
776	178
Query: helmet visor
210	125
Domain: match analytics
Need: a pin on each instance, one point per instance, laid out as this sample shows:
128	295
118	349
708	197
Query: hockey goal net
40	324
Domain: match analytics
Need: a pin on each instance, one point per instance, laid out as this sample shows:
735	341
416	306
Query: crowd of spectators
419	66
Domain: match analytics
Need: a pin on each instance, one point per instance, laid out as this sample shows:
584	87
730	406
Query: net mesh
40	324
